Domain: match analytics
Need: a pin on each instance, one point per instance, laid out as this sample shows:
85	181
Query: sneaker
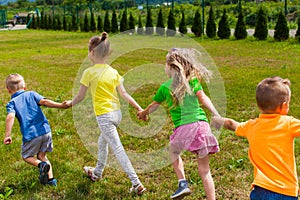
53	182
44	169
182	190
138	189
90	172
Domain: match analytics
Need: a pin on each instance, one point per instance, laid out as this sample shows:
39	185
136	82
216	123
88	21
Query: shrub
281	31
224	29
261	26
99	24
140	29
160	27
171	31
86	27
149	23
211	28
114	22
131	24
93	23
124	22
106	25
197	25
240	31
298	29
182	25
74	23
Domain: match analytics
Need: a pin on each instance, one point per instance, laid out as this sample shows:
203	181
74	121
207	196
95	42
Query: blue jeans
263	194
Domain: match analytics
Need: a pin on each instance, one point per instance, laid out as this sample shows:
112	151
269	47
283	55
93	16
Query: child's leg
179	168
204	173
42	157
102	156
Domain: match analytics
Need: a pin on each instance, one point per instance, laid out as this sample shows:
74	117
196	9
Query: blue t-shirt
25	105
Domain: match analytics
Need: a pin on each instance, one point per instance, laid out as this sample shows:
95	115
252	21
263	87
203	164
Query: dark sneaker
53	182
138	189
44	169
182	190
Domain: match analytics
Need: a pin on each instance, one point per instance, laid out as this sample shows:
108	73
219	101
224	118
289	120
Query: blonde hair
272	92
184	66
15	82
100	45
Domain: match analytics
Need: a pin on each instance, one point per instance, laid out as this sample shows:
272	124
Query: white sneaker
138	189
90	172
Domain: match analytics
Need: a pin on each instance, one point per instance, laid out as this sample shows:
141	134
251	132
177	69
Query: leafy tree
160	27
131	24
240	31
171	30
114	22
149	23
99	24
197	25
224	28
140	29
182	25
281	32
86	27
261	25
93	23
106	26
124	22
211	27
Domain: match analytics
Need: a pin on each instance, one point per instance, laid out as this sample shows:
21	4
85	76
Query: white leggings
108	124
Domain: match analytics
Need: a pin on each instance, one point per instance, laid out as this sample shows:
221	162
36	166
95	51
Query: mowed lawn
51	63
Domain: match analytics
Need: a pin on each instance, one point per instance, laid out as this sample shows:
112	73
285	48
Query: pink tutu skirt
194	137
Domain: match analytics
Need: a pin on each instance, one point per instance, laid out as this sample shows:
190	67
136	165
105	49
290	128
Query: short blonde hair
15	82
272	92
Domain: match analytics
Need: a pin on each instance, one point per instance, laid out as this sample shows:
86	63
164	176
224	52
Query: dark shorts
42	143
259	193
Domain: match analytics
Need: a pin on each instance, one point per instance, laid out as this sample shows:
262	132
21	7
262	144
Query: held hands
217	122
7	140
67	104
142	115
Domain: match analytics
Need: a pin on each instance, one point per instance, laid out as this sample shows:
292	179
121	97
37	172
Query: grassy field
50	61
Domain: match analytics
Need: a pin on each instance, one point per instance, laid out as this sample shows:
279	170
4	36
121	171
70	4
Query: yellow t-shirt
102	81
271	151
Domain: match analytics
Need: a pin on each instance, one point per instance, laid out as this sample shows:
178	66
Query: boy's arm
52	104
206	102
227	123
122	91
10	118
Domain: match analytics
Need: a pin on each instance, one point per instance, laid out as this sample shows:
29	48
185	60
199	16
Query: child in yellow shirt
271	141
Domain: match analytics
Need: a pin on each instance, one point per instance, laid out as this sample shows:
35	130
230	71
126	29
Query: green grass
49	62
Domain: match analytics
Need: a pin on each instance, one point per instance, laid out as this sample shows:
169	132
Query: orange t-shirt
271	151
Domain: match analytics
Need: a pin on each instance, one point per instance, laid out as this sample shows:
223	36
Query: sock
179	180
50	179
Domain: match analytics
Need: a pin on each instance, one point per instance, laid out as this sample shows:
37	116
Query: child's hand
217	122
7	140
67	104
142	115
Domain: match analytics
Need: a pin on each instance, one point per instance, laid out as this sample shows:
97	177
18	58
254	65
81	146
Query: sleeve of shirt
120	79
242	129
295	127
10	108
37	97
196	85
160	95
85	80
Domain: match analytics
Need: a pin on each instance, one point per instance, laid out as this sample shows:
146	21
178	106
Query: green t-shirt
190	110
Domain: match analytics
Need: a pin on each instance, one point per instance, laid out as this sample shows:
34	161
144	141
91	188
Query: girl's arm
150	109
122	91
78	98
206	102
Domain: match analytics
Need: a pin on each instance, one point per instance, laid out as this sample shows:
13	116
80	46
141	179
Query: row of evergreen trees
129	24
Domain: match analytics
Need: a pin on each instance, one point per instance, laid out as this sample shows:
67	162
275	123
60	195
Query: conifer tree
74	23
171	29
50	23
99	24
58	23
261	25
33	22
114	22
46	23
93	23
224	28
281	31
160	27
182	25
149	23
131	24
197	25
86	27
240	31
298	28
106	25
65	23
38	22
42	22
211	27
140	29
124	22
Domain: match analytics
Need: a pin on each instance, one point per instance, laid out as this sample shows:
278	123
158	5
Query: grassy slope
49	62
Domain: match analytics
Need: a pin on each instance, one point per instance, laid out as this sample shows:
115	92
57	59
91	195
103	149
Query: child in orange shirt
271	141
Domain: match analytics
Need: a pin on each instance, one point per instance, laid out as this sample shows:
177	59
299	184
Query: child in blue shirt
35	129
